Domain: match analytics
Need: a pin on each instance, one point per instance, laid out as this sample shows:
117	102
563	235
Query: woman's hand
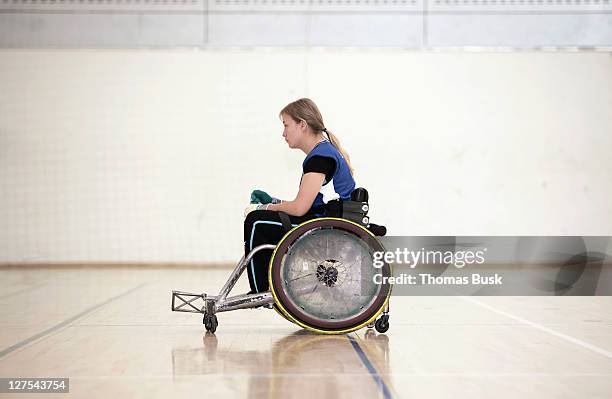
254	207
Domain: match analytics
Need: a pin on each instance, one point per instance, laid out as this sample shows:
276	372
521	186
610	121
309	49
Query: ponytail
336	143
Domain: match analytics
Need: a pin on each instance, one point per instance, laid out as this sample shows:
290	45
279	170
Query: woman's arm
309	188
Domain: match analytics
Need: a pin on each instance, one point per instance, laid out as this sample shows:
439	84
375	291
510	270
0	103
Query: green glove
261	197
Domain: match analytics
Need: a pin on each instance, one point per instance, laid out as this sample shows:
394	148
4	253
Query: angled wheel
382	324
322	276
210	322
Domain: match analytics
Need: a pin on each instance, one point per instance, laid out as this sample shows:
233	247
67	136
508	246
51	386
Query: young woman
327	175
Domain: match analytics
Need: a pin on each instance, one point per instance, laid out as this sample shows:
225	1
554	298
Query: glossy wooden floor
112	333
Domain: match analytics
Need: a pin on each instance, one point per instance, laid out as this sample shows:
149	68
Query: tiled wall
150	156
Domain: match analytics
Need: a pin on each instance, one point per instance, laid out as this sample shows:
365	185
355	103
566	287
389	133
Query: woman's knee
254	216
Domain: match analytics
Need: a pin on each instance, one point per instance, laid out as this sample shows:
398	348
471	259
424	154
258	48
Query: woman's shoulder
324	148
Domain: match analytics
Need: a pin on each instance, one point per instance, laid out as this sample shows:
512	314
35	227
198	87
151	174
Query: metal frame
188	302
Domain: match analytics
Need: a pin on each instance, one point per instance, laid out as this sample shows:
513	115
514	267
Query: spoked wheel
322	276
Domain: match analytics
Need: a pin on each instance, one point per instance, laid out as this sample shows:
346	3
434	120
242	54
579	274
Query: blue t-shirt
340	186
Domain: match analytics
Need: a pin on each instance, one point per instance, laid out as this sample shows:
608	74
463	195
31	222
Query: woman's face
293	132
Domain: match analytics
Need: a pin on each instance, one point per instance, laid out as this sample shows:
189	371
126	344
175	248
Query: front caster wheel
382	324
210	322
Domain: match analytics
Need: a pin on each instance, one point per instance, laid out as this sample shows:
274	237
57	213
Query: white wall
149	156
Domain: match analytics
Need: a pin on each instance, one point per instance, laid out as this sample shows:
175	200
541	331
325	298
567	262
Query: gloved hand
254	207
261	197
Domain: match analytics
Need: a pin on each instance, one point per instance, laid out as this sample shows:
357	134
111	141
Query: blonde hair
306	110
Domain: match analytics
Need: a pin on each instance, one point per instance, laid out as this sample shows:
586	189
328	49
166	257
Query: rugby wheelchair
321	275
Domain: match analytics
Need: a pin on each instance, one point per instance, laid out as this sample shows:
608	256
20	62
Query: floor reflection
301	364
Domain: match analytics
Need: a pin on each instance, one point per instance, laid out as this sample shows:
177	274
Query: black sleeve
320	164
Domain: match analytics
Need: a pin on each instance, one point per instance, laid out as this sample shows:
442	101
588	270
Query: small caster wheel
210	322
382	324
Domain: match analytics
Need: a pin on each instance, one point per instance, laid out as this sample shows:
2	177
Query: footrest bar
187	301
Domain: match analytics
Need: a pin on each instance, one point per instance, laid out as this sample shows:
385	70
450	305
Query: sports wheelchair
321	275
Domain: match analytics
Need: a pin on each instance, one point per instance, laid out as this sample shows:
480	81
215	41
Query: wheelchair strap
284	218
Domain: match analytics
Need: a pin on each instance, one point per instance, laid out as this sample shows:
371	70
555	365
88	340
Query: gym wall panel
516	31
378	30
519	23
257	30
93	30
305	23
98	23
316	23
316	30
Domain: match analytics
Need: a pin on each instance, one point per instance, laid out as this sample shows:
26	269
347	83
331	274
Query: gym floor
111	331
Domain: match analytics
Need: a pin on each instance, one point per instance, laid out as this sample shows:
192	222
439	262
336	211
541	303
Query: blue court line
364	359
65	322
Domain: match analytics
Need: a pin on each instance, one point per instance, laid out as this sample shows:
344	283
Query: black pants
264	227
